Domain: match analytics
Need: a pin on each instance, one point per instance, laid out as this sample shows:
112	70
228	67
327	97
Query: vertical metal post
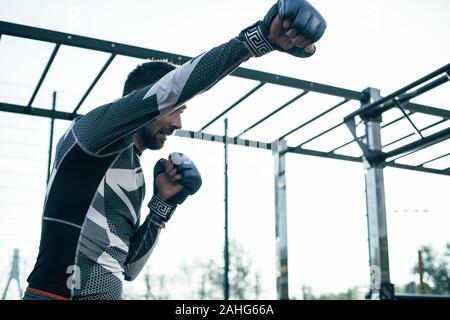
380	285
226	285
279	152
50	147
14	274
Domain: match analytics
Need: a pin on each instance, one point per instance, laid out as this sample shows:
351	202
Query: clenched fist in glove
291	26
174	180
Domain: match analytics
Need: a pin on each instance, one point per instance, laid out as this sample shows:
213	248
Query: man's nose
176	121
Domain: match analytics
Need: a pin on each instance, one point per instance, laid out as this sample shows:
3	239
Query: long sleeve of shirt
102	131
141	246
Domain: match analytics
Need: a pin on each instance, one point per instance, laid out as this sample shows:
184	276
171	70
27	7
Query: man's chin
156	145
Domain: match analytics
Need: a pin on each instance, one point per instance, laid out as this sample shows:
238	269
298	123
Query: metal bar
363	136
399	105
402	156
408	96
438	112
296	83
315	153
399	139
99	75
410	152
14	274
44	74
411	134
434	159
281	240
380	286
321	154
50	146
364	110
248	94
214	138
313	119
319	135
419	144
417	168
273	112
226	285
18	30
308	152
221	139
13	108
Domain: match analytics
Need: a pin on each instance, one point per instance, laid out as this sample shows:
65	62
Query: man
91	234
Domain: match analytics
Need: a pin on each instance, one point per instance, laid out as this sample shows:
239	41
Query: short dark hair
147	73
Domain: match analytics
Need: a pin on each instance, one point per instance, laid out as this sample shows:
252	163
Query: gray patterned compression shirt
92	238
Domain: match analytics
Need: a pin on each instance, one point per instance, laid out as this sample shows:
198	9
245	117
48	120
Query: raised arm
291	26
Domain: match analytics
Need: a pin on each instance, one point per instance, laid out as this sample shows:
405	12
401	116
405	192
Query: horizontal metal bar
296	83
363	136
257	144
18	30
408	96
237	141
438	112
323	154
320	134
380	103
273	112
411	134
308	152
44	74
99	75
23	31
434	159
416	168
214	138
219	138
419	144
313	119
393	160
248	94
13	108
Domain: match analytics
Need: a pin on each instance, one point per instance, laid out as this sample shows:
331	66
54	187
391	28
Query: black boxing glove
303	16
191	181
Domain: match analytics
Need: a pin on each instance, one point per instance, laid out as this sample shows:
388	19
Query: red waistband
46	294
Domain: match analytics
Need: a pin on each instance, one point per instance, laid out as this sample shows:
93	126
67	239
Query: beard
153	139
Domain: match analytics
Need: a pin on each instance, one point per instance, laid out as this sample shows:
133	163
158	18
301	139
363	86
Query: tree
436	272
155	286
205	278
350	294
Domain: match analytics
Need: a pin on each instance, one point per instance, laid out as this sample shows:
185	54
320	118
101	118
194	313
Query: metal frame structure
372	108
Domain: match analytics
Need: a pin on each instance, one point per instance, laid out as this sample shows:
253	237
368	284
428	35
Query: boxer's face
153	135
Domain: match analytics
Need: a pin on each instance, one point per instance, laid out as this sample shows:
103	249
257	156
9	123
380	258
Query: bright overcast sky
371	43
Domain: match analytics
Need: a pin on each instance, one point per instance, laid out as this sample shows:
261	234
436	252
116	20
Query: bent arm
144	240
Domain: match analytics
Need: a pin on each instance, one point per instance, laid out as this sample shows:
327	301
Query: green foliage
350	294
436	273
206	279
436	270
